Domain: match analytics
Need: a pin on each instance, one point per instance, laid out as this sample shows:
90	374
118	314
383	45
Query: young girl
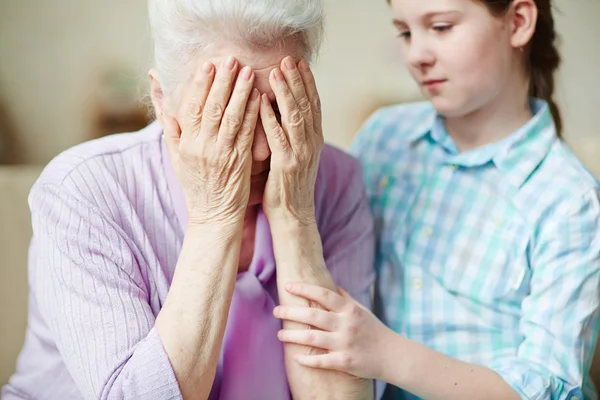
489	228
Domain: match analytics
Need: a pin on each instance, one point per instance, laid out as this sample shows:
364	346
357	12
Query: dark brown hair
543	55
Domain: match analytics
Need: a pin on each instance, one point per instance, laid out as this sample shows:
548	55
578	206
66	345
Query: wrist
290	222
221	231
394	360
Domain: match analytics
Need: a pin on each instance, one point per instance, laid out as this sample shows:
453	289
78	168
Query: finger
328	299
194	99
246	135
172	134
320	319
333	361
344	294
291	117
296	84
218	98
308	337
310	87
233	117
351	300
278	141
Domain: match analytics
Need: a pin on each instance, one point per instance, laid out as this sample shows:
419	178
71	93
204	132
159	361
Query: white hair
183	29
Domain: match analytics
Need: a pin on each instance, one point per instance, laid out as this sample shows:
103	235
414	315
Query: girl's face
460	55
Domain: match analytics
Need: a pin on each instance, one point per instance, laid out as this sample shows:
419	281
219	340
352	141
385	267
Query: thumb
349	297
344	294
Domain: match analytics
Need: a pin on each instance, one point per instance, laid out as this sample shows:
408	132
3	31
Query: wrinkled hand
352	336
295	144
210	142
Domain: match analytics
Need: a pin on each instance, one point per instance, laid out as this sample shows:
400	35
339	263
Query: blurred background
71	71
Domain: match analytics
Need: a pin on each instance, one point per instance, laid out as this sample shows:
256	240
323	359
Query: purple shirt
108	221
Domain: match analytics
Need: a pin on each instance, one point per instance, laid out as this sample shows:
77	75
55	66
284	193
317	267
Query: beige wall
51	53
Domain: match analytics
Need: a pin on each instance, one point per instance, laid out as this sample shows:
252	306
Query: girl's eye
404	34
442	28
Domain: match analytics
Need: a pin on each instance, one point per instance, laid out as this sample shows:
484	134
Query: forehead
262	61
405	10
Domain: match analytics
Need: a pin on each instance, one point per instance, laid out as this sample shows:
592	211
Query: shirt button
384	182
452	167
417	283
499	221
574	398
427	231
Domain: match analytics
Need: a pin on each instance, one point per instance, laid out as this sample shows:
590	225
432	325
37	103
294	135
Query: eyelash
438	29
442	28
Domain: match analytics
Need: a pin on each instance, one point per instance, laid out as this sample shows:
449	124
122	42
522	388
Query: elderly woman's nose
260	148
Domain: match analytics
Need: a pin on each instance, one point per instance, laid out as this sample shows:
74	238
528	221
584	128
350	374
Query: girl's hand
354	338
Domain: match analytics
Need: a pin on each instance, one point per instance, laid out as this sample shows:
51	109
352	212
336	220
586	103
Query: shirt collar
529	146
423	125
516	156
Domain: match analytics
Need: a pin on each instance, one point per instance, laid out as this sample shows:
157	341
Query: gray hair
183	29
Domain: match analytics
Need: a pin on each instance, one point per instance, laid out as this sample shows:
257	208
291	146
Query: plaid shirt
492	255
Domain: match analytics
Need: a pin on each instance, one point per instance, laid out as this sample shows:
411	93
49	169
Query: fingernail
265	100
207	68
246	73
277	74
289	63
303	65
276	311
230	63
254	94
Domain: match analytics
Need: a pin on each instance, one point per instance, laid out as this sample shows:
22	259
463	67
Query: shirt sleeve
560	315
348	235
87	281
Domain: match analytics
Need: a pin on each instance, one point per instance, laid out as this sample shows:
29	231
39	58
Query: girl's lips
432	84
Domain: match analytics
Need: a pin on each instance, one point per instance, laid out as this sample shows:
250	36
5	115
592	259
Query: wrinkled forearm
192	322
299	256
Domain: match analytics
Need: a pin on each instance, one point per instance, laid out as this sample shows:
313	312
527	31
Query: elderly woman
159	256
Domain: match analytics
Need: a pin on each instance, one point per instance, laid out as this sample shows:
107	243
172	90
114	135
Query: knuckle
278	132
304	105
194	108
247	126
312	315
354	310
347	343
311	337
296	118
233	121
213	111
346	360
353	330
224	79
296	80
